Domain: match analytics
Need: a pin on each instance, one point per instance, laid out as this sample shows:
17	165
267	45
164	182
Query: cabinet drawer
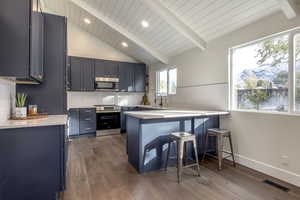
87	127
87	114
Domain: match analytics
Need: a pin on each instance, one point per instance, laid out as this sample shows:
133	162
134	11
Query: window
261	78
172	82
297	71
166	82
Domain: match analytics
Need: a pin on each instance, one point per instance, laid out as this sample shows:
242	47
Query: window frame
291	74
168	78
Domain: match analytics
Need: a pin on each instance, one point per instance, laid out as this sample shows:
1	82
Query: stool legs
231	148
168	155
220	150
205	146
180	145
196	155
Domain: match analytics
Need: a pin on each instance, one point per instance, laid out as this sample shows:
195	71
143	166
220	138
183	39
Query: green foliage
281	78
273	50
276	51
21	99
257	96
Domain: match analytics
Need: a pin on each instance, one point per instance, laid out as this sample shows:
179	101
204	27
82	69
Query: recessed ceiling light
145	24
87	21
124	44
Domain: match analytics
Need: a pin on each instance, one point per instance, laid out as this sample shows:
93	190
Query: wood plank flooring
98	170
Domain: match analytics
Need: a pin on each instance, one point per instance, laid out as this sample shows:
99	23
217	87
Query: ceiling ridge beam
289	8
176	23
97	14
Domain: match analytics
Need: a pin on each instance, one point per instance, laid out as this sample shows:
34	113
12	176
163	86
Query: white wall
83	44
89	99
7	95
266	142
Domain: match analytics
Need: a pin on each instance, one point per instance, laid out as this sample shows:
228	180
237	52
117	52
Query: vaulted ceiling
174	25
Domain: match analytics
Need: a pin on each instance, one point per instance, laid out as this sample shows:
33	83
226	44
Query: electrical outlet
285	161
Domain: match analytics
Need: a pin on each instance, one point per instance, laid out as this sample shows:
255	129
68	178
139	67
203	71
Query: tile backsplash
7	95
86	99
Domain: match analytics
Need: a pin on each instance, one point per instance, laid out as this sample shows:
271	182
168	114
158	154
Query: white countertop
52	120
164	114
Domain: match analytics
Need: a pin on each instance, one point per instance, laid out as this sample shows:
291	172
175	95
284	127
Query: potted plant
21	109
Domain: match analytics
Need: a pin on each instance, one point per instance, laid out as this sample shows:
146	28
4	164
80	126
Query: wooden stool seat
220	134
181	139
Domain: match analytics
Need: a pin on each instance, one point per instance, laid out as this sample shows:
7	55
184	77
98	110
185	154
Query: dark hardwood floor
98	170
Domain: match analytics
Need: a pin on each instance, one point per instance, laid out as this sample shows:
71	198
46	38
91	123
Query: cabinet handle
88	111
88	119
88	129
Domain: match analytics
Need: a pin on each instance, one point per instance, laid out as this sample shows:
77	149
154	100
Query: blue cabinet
51	95
82	121
82	74
22	41
106	68
127	77
139	77
33	162
73	116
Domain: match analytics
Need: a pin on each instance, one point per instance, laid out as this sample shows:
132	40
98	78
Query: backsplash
7	91
87	99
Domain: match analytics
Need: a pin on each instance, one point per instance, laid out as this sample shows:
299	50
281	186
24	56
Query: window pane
297	71
172	81
162	83
260	75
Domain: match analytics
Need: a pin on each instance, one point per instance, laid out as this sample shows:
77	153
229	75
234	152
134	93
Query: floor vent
276	185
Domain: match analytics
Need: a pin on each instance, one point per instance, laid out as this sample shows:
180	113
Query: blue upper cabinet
106	68
82	74
140	77
22	40
127	77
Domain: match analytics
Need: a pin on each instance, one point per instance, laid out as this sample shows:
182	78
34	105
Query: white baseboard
270	170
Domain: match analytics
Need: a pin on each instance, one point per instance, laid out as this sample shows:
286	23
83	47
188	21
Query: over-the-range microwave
107	84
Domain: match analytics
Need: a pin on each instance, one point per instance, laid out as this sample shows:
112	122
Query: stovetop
107	108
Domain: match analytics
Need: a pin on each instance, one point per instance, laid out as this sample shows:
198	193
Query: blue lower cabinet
33	163
82	121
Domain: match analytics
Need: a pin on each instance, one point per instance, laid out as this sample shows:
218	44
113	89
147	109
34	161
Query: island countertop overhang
168	114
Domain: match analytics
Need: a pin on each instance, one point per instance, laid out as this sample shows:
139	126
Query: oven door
106	121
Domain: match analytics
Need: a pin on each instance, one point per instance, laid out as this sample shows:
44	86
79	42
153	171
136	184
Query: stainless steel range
108	119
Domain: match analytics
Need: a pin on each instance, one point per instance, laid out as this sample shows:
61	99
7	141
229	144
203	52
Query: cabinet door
37	46
14	40
88	71
99	68
75	74
73	122
139	77
106	68
126	77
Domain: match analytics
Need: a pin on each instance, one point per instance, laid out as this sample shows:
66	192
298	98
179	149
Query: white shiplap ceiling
178	29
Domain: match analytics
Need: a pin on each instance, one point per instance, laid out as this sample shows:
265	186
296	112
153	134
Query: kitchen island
147	135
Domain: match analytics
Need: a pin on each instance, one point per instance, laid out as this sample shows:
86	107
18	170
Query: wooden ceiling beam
289	8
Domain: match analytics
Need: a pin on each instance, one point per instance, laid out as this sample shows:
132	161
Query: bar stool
182	138
220	134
